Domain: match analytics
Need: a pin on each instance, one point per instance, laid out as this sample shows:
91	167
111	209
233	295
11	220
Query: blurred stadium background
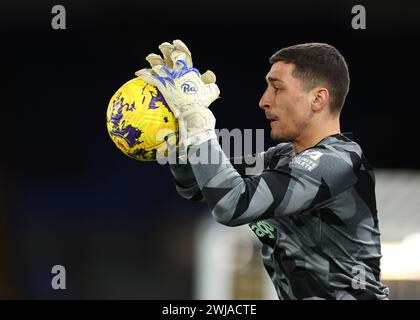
69	197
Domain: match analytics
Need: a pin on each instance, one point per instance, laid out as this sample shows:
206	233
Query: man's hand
187	92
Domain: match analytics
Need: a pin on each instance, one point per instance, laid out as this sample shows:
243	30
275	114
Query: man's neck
312	137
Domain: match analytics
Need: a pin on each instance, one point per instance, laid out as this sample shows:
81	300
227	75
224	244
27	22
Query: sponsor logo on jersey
307	159
262	229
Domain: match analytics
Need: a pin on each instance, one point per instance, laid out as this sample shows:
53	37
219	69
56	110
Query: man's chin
278	137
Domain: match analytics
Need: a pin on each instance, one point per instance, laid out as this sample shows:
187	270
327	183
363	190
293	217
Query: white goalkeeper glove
187	92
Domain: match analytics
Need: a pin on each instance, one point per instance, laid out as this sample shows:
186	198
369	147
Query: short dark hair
315	64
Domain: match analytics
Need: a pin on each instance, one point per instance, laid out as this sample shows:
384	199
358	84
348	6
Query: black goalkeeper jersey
314	212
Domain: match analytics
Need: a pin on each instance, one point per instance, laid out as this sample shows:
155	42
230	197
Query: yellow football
140	123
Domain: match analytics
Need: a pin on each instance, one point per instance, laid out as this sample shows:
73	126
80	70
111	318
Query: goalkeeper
313	204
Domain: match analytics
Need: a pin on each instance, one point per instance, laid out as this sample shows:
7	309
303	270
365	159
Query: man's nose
263	104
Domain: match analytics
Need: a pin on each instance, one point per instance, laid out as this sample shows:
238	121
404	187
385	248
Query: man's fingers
160	70
171	54
155	59
212	93
176	56
166	48
208	77
147	76
180	46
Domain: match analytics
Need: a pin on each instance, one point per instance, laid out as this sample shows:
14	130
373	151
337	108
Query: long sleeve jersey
314	212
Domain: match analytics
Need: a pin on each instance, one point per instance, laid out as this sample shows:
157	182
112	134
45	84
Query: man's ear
320	98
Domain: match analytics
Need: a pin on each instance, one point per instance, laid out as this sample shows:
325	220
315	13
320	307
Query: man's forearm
228	195
186	182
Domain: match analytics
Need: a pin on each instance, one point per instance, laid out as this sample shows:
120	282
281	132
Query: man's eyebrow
271	80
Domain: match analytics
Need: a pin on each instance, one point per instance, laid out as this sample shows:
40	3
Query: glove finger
147	76
166	48
179	60
161	70
155	59
208	77
153	78
180	46
212	94
143	72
